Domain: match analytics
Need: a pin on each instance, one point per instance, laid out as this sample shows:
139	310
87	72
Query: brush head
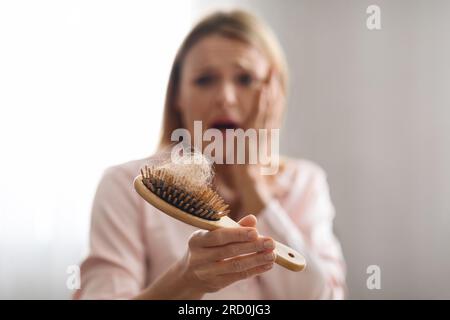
196	199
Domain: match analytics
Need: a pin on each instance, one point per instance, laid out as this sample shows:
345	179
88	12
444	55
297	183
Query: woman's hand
216	259
256	190
269	104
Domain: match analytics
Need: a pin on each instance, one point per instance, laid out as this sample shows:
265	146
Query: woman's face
220	82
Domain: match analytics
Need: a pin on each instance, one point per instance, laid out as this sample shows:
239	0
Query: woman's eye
245	79
204	81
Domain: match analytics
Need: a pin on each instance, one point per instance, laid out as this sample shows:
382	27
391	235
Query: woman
228	73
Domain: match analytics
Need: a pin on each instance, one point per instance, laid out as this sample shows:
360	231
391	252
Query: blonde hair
236	24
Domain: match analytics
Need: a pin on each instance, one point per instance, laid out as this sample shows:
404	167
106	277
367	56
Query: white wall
373	108
81	88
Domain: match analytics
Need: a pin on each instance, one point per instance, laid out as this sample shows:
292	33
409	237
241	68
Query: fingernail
252	235
268	244
269	256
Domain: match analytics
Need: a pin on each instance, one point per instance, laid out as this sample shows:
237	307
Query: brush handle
285	256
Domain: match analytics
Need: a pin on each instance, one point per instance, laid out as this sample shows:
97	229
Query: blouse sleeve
115	266
306	225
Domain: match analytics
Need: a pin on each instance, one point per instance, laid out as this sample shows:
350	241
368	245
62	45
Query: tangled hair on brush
189	167
183	180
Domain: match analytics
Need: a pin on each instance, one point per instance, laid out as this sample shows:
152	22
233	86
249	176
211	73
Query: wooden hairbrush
203	208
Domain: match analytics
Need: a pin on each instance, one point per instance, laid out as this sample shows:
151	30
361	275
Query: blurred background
82	87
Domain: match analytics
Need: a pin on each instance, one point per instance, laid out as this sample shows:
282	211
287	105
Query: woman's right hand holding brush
215	260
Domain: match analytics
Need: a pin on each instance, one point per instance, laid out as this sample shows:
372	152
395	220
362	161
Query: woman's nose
226	95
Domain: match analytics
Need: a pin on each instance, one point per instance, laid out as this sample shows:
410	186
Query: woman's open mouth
224	124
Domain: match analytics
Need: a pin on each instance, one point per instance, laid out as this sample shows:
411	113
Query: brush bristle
200	201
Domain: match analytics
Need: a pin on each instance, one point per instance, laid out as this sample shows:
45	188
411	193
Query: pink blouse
132	243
